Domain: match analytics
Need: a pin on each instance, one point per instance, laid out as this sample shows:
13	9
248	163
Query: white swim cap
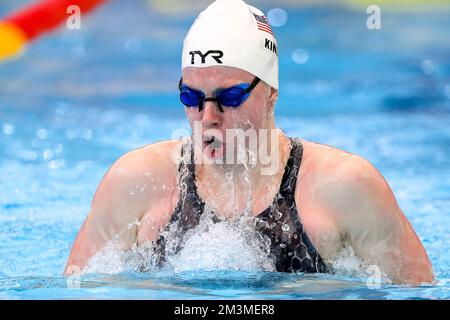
235	34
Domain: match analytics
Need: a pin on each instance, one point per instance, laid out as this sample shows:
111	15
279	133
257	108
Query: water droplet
428	66
48	154
132	193
282	245
87	134
55	164
285	227
134	223
41	134
277	17
8	129
273	225
300	56
290	254
70	134
278	215
28	155
295	236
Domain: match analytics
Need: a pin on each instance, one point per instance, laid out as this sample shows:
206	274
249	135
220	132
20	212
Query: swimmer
311	200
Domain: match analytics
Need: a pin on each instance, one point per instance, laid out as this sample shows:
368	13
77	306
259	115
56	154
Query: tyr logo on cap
215	54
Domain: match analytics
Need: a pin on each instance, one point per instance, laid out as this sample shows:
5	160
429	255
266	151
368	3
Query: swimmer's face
256	112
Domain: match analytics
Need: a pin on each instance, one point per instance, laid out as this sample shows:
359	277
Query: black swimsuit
280	222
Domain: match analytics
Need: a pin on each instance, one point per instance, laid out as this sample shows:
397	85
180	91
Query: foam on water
218	245
211	245
111	259
224	246
347	265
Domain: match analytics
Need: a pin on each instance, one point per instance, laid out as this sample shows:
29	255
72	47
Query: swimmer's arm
121	199
113	208
370	219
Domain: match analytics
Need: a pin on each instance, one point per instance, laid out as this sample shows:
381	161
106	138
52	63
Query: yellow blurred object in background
182	7
12	41
404	5
404	2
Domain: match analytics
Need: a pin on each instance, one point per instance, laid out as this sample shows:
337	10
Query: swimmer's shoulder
138	179
334	177
333	189
161	155
328	174
328	161
145	173
152	163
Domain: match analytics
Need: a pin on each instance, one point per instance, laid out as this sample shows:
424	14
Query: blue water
80	99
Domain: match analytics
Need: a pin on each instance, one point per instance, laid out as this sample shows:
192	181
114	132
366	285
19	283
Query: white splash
109	260
348	265
223	246
211	245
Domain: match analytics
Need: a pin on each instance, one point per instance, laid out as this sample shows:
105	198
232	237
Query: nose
212	117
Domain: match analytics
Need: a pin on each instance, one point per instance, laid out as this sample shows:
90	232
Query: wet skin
341	198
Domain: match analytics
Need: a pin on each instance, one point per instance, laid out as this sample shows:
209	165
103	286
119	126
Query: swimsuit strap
291	170
189	202
290	245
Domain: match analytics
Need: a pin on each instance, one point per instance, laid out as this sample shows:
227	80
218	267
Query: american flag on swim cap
263	24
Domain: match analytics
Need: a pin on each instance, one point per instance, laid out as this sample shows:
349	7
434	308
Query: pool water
80	99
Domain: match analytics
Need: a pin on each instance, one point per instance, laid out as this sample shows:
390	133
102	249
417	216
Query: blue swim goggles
229	97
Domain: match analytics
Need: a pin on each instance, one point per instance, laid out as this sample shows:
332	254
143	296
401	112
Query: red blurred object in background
28	23
46	15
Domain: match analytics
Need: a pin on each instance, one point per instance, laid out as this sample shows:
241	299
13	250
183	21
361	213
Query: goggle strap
253	85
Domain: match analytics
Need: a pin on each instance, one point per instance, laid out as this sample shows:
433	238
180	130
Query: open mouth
212	145
212	142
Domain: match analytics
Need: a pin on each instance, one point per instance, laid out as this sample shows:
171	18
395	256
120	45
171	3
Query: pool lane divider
33	21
